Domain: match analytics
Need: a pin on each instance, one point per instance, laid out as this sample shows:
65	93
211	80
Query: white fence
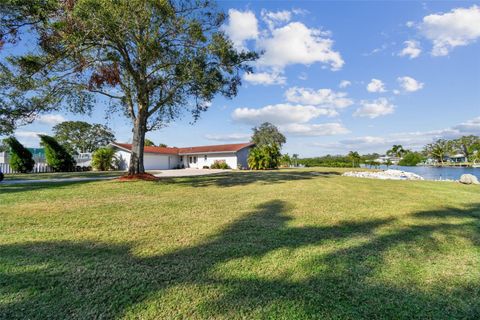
37	168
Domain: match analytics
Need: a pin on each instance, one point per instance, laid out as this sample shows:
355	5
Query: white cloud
411	140
470	127
323	97
344	84
265	78
275	18
296	43
323	129
410	24
374	108
376	85
280	114
28	138
409	84
412	49
50	119
229	137
459	27
241	26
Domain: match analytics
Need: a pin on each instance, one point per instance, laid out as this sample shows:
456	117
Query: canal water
437	173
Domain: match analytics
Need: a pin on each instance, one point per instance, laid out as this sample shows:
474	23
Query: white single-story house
161	158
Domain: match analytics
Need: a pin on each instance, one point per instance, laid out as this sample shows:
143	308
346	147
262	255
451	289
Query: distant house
457	158
385	159
161	158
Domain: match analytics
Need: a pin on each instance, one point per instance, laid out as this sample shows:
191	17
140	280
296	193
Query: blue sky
337	76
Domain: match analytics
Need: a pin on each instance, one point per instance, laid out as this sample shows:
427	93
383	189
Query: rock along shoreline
384	175
391	174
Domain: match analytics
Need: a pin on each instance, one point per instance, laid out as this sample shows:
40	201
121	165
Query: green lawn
289	244
62	175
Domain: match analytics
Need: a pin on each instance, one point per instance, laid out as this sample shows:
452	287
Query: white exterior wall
154	161
230	158
151	161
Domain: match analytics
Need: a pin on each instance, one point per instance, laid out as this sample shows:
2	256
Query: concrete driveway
158	173
185	172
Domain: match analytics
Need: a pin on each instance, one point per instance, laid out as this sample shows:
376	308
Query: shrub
411	159
264	157
57	157
335	161
21	159
219	164
104	159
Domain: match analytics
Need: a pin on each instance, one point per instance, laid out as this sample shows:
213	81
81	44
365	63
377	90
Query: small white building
386	158
161	158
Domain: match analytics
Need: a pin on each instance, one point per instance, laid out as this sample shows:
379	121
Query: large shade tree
268	134
152	59
80	136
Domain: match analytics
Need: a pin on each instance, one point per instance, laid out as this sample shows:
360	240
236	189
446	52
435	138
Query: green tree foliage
411	159
57	157
370	157
396	151
20	158
439	149
286	160
295	159
264	157
79	136
104	159
163	145
335	161
151	59
149	143
355	158
467	145
268	134
3	146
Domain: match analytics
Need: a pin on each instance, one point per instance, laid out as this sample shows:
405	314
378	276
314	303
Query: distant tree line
440	150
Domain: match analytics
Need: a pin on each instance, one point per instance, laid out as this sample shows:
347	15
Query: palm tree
396	151
295	159
439	149
355	157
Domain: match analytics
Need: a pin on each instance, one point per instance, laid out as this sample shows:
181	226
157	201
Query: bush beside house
218	164
104	159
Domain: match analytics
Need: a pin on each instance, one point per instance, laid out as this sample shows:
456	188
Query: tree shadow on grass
242	178
29	186
91	280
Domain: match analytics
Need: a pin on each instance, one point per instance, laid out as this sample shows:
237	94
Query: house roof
459	155
189	150
162	150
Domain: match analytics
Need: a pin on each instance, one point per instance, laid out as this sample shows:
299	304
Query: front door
192	161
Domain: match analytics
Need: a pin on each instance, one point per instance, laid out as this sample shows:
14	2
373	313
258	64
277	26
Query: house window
195	159
190	159
181	158
205	158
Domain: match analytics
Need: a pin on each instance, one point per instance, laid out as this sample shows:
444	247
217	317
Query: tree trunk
138	142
